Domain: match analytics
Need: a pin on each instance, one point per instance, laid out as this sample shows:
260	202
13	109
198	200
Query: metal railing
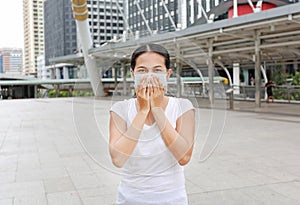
280	93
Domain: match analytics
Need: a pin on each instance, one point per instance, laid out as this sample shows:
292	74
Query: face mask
161	76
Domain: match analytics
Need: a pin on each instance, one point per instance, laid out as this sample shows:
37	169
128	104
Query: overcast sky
11	23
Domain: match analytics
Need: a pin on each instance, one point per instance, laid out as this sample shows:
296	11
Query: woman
152	135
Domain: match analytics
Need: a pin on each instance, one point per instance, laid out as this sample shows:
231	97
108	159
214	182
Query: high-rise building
60	29
1	64
11	60
105	19
33	17
148	17
5	60
206	11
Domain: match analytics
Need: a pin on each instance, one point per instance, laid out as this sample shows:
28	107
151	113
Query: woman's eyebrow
141	66
158	66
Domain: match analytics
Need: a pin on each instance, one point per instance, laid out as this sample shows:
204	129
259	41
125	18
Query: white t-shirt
152	175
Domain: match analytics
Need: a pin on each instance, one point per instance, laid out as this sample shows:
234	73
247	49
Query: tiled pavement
54	151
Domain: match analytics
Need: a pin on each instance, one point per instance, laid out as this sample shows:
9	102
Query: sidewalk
281	108
54	151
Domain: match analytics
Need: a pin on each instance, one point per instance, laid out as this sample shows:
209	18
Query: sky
11	23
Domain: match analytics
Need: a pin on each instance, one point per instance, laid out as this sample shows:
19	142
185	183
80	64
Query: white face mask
161	76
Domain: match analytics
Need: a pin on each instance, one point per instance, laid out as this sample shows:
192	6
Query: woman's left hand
157	93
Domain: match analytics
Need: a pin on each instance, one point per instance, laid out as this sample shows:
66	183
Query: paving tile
7	177
267	195
290	190
226	197
8	163
7	201
191	188
108	178
104	199
58	185
40	174
64	198
42	162
77	166
85	180
28	163
99	191
32	188
33	200
56	172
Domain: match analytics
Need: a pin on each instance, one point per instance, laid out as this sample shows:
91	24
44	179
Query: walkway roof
232	40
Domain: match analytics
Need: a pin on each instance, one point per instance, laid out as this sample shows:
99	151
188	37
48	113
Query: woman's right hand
143	97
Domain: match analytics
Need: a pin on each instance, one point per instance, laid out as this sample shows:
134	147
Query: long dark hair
150	48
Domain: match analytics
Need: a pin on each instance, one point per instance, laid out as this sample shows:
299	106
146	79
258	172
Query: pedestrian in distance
152	135
252	81
269	86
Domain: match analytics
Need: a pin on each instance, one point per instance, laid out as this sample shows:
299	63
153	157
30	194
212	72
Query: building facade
105	19
149	17
1	64
33	21
10	60
206	11
60	29
42	71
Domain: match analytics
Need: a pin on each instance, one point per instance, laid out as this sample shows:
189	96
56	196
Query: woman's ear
131	73
170	71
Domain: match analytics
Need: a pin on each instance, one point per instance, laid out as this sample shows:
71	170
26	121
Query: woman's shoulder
122	105
123	102
182	103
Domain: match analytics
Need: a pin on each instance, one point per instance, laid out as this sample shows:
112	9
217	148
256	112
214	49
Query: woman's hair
150	48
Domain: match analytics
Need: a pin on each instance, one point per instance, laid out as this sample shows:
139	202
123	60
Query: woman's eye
141	70
158	70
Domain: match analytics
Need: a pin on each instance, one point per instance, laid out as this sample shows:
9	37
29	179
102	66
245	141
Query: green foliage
296	79
281	78
279	75
52	93
63	94
82	93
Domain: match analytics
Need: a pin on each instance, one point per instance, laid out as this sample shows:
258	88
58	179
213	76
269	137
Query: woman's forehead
150	57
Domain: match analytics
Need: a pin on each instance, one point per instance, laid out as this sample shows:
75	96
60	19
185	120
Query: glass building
60	29
105	19
1	64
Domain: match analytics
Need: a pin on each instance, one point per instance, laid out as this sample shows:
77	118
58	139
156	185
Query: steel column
257	71
123	68
211	71
178	70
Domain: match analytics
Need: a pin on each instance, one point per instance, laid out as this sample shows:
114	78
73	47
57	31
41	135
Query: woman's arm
122	141
180	141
